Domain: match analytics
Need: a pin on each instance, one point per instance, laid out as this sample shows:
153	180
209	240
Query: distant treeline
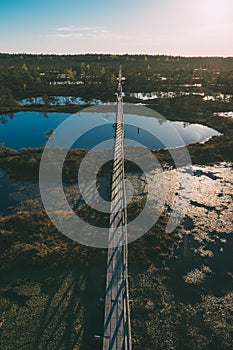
162	61
94	76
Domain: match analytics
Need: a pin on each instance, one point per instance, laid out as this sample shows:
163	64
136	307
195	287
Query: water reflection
4	118
28	129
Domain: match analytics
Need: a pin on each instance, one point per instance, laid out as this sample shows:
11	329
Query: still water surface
28	129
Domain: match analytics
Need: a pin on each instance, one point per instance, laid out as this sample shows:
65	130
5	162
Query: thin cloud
72	32
68	35
107	36
83	29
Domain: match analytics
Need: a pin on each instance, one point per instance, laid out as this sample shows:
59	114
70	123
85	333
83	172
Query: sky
173	27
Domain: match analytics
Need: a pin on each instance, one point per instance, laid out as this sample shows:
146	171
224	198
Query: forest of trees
94	76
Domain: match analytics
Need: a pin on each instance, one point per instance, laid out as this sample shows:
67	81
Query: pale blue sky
176	27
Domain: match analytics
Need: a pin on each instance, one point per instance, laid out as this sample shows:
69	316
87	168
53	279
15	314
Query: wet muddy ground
184	301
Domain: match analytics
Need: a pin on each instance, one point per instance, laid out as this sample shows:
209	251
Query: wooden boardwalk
117	332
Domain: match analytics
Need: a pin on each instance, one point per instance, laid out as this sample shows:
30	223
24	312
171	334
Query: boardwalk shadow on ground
61	325
72	315
60	308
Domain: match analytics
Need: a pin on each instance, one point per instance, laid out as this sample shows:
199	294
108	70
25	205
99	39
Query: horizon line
115	54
